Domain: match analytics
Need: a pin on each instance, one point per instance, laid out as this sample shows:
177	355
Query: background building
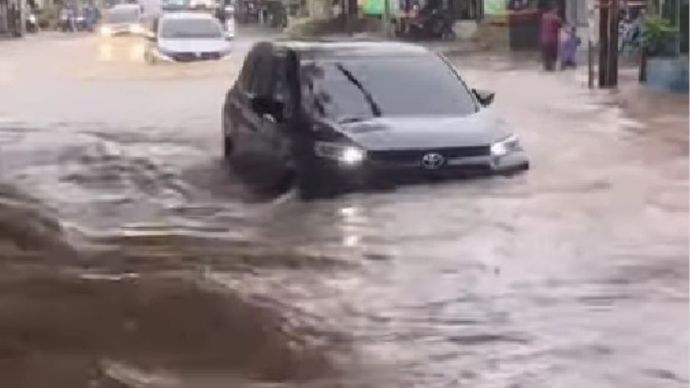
11	16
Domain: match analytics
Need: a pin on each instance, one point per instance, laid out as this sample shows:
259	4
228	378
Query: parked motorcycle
629	35
434	24
276	14
65	24
31	22
80	24
66	21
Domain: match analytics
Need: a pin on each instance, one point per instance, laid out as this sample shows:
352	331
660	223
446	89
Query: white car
187	37
122	19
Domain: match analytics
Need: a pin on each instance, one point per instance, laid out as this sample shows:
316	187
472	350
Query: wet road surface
131	257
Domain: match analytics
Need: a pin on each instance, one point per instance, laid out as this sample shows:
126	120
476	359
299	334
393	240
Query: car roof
324	49
124	6
187	15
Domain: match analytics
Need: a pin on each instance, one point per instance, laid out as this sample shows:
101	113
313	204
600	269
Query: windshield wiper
352	119
375	109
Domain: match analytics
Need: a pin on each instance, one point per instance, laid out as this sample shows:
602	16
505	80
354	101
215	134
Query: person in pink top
550	28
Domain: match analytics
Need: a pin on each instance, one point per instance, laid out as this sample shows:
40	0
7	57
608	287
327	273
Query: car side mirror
485	97
265	105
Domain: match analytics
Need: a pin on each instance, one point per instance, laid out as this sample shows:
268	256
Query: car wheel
227	147
517	170
312	183
228	142
149	58
307	185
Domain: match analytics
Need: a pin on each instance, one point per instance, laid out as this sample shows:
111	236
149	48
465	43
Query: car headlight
505	146
106	30
343	153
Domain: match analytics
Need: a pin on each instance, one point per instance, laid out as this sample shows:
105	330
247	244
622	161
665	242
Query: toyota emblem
432	161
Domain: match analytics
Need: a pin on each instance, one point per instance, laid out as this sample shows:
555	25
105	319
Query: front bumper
372	173
121	30
188	56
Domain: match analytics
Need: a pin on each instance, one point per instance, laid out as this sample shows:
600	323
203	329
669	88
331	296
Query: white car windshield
190	29
175	4
122	15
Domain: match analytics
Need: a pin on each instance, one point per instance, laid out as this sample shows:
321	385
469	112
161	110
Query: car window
175	4
262	76
122	15
283	85
245	78
190	29
360	88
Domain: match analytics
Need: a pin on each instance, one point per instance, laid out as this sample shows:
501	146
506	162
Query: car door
237	112
257	124
281	134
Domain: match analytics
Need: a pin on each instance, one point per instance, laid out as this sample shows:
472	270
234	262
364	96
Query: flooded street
132	257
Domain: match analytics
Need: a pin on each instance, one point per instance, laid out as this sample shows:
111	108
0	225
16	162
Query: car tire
149	58
228	141
517	170
308	187
227	147
303	173
312	182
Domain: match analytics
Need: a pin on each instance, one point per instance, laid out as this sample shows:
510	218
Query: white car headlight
343	153
505	146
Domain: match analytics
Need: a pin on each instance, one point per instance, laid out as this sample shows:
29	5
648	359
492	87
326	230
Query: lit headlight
344	153
505	146
106	31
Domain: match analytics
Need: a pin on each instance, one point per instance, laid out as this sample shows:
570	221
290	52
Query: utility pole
592	38
608	43
350	13
386	17
590	65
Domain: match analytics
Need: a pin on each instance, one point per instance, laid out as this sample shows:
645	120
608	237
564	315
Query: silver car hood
205	45
432	132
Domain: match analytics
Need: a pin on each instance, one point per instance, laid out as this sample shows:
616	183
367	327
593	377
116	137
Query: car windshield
190	28
362	88
122	15
175	4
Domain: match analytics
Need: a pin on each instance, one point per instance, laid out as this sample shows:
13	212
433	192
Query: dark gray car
359	114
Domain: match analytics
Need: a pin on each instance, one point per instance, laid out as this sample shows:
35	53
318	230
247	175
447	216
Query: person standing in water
569	48
550	27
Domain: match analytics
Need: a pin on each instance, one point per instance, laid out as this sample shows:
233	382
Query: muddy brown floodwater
130	257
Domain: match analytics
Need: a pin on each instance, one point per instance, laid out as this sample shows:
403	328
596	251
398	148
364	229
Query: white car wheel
149	57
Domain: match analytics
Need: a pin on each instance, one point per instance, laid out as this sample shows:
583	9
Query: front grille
188	57
413	156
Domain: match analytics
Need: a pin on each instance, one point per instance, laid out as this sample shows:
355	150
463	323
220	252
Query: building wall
3	16
5	23
576	12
